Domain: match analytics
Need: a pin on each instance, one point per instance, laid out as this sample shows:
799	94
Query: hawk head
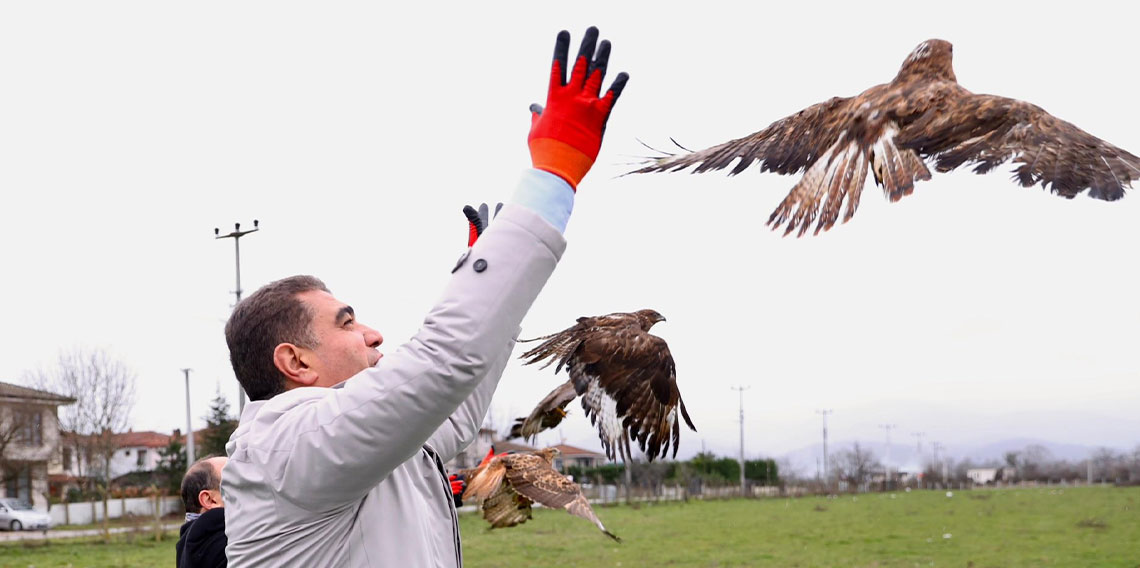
933	58
648	317
548	454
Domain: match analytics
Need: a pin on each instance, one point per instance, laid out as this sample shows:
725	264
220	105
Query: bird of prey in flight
508	484
892	129
625	377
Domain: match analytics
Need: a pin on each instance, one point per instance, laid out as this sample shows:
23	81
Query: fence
92	512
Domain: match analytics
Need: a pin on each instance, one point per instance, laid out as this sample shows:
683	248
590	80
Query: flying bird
890	129
625	377
509	484
548	414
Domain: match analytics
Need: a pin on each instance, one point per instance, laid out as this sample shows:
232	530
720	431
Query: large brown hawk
507	486
890	129
626	378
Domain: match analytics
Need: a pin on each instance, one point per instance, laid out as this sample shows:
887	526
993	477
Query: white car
16	515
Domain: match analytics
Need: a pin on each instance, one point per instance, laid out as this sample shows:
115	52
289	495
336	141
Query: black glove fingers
561	53
484	214
473	218
618	85
589	43
600	62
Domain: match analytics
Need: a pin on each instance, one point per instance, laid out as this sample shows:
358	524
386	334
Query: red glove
565	137
477	221
457	484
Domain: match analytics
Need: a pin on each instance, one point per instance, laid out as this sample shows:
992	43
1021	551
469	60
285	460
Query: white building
30	432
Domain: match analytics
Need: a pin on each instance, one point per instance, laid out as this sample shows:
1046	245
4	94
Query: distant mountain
806	461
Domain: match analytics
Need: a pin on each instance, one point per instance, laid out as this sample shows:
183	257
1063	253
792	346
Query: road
8	536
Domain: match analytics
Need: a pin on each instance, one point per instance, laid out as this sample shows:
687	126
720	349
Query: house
29	438
571	456
982	475
137	451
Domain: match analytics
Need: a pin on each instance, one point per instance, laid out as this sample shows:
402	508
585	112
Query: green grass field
1098	526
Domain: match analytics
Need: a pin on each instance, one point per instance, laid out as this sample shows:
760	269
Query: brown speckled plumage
890	129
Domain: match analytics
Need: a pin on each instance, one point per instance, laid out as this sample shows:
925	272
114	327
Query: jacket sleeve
460	429
331	451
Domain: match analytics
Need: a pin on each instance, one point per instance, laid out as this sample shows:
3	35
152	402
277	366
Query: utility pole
189	424
918	436
826	473
236	235
741	389
938	447
887	465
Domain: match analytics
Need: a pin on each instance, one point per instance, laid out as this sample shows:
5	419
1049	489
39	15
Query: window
141	457
67	459
30	427
19	485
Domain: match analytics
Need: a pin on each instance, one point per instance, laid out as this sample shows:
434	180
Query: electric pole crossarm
236	235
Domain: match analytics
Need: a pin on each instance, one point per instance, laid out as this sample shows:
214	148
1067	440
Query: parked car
16	515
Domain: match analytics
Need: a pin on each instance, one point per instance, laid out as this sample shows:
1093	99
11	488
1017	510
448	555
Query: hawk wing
988	130
534	478
502	506
626	378
836	143
548	414
629	391
786	146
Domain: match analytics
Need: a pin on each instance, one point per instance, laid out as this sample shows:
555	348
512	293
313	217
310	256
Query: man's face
344	346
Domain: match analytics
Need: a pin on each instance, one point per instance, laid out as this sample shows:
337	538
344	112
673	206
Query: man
202	540
338	457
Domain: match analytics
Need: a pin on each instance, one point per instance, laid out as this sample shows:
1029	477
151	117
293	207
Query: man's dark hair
269	317
199	477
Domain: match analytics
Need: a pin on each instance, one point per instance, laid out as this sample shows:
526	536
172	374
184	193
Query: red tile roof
571	451
142	440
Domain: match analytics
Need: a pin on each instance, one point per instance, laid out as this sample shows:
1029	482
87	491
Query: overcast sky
355	132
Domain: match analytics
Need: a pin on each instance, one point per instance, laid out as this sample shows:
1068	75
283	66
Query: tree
17	427
171	465
856	465
219	426
104	390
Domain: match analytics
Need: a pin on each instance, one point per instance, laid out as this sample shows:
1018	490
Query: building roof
573	452
133	439
9	390
503	446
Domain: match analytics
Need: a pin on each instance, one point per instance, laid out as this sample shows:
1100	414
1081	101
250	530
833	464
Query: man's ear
291	361
207	501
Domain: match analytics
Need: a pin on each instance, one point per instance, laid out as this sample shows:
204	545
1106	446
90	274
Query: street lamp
236	235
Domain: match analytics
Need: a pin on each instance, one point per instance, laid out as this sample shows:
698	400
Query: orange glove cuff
560	159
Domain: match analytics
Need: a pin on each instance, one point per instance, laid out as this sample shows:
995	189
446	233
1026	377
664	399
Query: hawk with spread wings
507	485
890	129
626	378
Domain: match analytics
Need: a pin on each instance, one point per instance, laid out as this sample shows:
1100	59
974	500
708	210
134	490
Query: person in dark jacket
202	539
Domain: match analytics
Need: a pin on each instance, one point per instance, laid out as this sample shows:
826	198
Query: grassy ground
1098	526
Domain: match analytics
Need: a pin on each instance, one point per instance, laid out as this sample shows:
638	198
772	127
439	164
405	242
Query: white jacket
353	476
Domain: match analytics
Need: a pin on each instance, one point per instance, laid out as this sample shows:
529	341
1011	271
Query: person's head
293	333
202	485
